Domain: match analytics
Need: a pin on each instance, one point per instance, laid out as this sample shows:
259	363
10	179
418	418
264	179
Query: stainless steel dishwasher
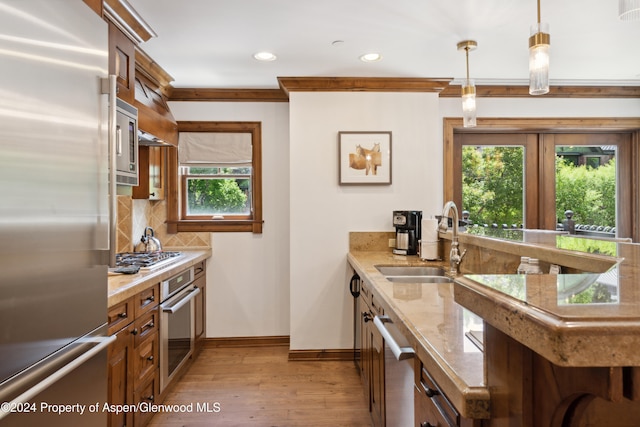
398	374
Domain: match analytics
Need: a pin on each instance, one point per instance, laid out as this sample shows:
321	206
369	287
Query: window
216	175
578	165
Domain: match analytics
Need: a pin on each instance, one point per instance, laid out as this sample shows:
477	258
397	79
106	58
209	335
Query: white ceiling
210	43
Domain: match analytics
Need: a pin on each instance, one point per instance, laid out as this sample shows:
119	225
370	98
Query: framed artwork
364	158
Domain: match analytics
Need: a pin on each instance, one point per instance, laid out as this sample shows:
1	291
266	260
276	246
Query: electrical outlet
392	243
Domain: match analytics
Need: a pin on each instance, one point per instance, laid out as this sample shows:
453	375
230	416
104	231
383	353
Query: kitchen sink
401	270
419	279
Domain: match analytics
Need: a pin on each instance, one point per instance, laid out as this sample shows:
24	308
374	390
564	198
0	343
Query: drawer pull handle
148	325
150	298
426	424
135	331
150	358
122	315
150	398
428	390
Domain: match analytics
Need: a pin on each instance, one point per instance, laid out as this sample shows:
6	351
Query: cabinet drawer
199	269
145	361
147	393
147	299
376	308
430	402
145	326
119	316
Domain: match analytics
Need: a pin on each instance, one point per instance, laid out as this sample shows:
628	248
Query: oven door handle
186	297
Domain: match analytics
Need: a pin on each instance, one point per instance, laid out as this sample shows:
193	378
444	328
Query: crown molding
125	17
362	84
517	91
228	95
443	87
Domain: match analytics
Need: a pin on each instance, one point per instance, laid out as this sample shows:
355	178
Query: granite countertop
590	319
123	286
435	325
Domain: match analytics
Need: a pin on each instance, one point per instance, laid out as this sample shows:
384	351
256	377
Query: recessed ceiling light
371	57
264	56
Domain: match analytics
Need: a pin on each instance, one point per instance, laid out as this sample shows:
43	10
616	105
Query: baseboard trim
246	341
316	355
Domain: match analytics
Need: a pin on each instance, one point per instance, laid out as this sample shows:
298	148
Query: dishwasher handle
400	352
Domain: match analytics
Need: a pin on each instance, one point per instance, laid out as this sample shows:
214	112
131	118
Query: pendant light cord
466	49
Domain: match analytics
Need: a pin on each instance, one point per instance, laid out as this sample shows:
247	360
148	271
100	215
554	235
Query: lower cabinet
200	280
133	370
372	356
432	408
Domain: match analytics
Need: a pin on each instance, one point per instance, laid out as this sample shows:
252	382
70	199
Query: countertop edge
122	287
564	343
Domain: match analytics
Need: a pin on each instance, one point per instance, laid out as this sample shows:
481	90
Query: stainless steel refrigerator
54	213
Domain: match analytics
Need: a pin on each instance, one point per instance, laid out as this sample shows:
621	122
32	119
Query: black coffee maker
408	231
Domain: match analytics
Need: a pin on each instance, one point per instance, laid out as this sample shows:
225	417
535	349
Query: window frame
175	221
540	211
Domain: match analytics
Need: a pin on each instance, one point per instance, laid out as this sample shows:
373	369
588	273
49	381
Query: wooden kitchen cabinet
122	62
200	281
372	355
432	408
120	386
133	365
152	168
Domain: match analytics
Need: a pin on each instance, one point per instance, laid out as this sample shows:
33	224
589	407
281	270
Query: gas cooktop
146	260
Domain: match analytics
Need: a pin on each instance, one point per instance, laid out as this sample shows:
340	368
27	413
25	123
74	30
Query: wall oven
177	324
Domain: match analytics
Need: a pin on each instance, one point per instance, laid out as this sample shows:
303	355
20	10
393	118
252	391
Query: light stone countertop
569	319
123	286
435	325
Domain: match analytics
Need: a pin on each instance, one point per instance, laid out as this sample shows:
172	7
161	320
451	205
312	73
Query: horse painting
367	159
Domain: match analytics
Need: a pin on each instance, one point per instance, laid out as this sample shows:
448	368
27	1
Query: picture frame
364	158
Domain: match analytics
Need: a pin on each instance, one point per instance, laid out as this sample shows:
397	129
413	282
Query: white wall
323	212
292	279
248	275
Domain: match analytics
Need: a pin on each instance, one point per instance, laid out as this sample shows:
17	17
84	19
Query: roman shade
214	149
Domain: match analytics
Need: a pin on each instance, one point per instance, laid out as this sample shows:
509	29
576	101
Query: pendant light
468	89
629	10
539	42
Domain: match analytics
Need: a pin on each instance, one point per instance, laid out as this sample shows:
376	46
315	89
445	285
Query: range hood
145	138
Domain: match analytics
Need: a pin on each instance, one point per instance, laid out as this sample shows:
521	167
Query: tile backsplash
136	214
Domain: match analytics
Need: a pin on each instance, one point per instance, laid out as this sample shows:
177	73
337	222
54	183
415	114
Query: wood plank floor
258	386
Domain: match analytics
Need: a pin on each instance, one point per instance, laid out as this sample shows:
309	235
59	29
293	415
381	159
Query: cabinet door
122	62
146	359
120	387
146	393
377	377
152	169
200	308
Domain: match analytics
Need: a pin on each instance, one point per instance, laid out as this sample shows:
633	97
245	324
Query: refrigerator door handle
109	87
103	343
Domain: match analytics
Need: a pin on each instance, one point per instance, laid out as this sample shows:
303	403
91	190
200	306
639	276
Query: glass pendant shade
629	10
539	43
469	104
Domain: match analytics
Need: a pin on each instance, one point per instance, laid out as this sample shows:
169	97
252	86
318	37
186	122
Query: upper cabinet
152	84
122	61
144	84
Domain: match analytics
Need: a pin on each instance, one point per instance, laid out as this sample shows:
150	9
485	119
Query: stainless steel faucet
454	255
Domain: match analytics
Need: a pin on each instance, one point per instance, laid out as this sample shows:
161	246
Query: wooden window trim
629	221
254	225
